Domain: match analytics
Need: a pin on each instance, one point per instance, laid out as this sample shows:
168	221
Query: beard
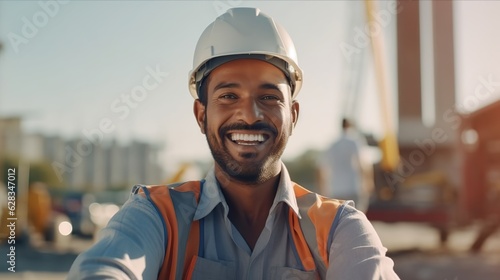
259	170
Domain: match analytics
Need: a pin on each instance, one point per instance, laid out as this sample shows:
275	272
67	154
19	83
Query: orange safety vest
177	204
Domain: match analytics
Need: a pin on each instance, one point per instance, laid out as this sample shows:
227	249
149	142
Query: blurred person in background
247	219
344	171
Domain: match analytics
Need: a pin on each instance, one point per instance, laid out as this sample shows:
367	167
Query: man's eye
228	96
270	97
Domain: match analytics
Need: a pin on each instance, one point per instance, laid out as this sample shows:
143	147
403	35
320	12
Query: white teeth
247	137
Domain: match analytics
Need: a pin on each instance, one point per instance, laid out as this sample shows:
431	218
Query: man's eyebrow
269	86
226	85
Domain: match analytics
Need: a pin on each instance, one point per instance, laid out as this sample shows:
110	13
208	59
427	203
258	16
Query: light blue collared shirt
132	245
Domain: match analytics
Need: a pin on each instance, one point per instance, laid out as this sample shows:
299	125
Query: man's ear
295	113
199	114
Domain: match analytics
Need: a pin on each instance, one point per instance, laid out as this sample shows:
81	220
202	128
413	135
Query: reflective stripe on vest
177	203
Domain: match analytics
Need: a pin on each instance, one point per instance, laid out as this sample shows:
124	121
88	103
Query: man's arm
131	246
356	251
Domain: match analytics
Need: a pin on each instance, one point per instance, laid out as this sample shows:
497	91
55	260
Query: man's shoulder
181	198
161	194
177	186
308	196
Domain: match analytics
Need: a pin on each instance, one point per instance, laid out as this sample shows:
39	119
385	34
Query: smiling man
247	219
247	117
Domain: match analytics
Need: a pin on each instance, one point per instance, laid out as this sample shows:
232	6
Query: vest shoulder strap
317	225
176	205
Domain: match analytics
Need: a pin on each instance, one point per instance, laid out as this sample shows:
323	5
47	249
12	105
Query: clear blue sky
83	56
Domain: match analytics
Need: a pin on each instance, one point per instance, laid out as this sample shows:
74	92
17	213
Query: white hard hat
244	33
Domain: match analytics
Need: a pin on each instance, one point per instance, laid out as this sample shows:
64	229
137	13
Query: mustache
243	126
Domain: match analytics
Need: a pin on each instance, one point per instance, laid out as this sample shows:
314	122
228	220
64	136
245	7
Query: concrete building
85	166
10	136
115	164
75	159
427	130
142	163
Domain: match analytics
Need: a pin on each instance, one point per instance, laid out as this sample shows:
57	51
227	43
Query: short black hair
203	90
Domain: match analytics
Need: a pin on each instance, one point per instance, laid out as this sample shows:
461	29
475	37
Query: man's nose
250	111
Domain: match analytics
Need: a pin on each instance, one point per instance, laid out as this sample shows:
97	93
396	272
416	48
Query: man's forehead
281	86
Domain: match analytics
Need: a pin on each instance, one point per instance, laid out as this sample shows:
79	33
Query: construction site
436	197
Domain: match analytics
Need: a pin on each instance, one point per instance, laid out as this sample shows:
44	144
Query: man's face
248	118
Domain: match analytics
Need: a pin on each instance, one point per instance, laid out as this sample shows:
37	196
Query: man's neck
249	204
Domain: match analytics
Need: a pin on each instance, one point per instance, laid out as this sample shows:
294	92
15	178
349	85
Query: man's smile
248	138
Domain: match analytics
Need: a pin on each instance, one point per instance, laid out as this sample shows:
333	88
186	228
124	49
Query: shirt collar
211	194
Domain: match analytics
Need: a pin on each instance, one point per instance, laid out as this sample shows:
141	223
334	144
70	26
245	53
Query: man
246	219
343	171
